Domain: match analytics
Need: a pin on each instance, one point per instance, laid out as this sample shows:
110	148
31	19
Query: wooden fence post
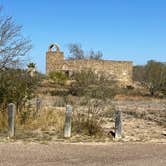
118	124
11	119
67	127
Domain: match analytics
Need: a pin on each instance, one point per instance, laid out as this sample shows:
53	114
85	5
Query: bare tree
76	52
95	55
12	44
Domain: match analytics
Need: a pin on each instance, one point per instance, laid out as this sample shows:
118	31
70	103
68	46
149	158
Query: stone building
120	71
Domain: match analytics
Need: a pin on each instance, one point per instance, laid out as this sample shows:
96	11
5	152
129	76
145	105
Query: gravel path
33	154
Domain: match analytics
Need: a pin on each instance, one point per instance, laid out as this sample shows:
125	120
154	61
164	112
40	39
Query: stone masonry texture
120	71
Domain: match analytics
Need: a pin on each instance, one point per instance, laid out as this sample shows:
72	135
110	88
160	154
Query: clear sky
122	29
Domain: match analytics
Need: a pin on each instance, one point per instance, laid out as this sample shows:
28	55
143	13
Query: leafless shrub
89	116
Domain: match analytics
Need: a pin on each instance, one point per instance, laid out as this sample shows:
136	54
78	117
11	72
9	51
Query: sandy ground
114	154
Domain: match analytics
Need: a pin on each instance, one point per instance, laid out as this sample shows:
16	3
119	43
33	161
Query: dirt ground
114	154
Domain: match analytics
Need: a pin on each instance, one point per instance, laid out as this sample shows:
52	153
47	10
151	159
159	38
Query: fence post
67	127
38	104
11	119
118	124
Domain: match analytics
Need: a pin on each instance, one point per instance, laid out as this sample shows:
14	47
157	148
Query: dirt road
19	154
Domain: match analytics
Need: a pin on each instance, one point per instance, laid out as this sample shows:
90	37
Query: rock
163	133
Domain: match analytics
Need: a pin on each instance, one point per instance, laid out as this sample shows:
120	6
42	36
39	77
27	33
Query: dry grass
45	119
44	125
89	123
3	121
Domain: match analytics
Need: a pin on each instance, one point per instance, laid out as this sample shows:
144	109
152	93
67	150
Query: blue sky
122	29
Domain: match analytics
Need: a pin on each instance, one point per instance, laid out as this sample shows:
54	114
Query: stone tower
52	56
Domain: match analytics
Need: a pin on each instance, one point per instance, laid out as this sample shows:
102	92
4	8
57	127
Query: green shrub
58	77
17	86
152	76
31	65
88	83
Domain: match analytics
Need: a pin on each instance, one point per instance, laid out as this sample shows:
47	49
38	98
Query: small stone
163	133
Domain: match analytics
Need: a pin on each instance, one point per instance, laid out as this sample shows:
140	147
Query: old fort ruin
120	71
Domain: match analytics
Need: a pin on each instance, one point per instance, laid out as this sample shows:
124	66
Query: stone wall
118	70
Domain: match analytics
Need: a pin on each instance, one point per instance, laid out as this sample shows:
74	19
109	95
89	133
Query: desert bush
88	116
60	91
152	75
24	116
132	92
58	77
88	83
17	86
